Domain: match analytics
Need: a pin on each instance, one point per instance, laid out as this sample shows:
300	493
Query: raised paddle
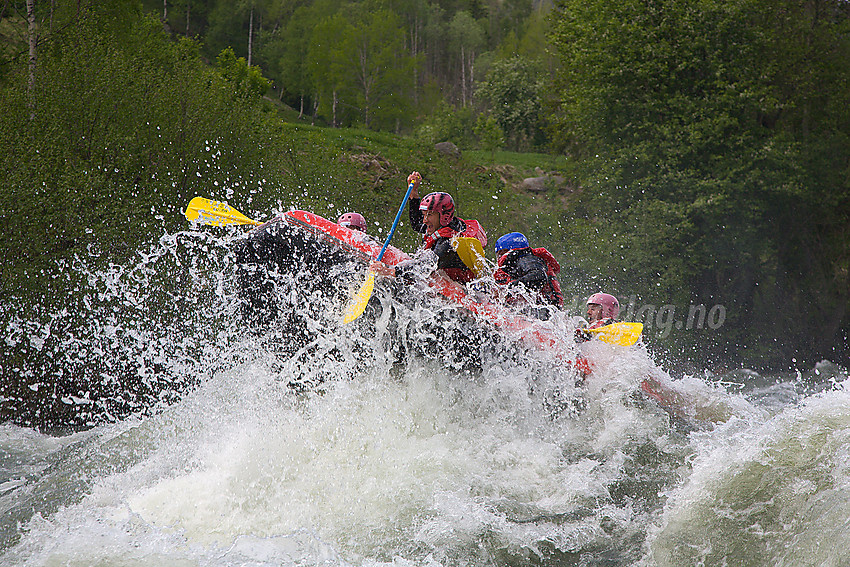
358	303
621	334
215	213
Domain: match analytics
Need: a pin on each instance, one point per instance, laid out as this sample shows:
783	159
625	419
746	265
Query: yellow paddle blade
358	303
215	213
621	334
471	252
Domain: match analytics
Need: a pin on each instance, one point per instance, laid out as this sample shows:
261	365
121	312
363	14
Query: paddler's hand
416	179
382	269
581	334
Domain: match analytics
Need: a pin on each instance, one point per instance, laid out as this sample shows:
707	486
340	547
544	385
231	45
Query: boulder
543	183
535	184
447	149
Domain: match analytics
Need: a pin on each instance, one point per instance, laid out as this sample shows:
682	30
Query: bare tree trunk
188	9
334	109
164	10
366	81
462	78
250	35
300	112
471	77
414	46
33	43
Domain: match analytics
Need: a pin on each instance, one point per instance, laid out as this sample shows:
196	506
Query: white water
410	463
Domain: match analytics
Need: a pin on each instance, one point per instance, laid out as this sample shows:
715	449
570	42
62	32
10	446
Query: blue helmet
511	241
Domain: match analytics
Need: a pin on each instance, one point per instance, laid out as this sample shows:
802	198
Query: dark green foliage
115	135
247	80
513	89
709	112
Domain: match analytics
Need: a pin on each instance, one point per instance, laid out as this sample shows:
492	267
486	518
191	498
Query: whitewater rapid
404	460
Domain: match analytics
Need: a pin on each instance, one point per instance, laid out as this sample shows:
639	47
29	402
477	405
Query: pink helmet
353	220
609	303
441	202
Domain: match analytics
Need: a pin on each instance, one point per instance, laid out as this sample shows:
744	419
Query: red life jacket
601	323
474	230
551	292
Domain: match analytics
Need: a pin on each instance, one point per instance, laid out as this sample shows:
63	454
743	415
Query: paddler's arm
403	271
382	269
582	335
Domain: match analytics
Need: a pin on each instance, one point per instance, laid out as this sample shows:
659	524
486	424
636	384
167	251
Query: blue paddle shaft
395	222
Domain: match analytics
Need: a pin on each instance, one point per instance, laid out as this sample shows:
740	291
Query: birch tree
466	38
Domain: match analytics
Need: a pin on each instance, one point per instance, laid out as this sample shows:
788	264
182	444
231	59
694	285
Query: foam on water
776	493
332	445
421	465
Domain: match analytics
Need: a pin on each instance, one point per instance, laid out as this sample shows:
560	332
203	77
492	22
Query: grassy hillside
330	171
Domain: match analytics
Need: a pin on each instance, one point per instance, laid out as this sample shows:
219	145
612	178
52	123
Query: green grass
525	162
333	170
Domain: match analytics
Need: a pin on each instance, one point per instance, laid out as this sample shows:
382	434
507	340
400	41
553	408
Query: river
401	459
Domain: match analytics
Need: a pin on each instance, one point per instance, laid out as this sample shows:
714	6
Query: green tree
381	67
711	107
227	26
466	39
489	134
288	53
247	79
326	59
512	89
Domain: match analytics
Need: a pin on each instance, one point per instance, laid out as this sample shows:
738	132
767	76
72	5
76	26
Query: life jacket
601	323
469	228
551	291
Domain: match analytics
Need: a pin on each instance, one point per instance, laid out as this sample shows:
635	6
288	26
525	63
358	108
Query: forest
705	143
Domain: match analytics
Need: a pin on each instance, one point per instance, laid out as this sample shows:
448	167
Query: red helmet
353	220
440	202
609	303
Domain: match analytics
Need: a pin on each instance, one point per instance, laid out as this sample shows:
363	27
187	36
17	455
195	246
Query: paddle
215	213
622	334
361	298
471	252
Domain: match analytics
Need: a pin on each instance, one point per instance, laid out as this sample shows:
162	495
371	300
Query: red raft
530	331
298	238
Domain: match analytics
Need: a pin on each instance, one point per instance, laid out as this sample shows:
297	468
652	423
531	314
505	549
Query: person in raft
528	270
434	217
354	221
602	309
